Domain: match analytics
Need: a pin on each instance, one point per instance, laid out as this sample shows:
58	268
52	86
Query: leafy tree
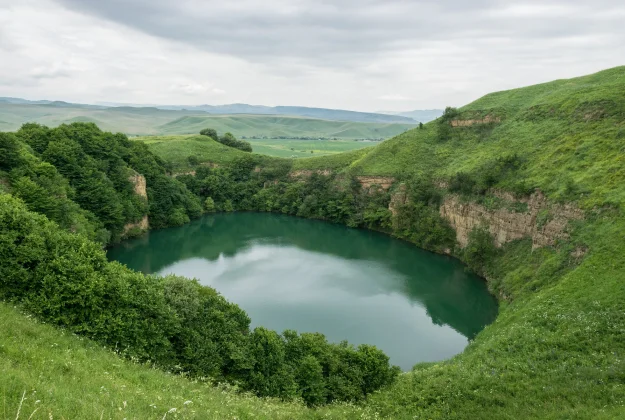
480	250
210	133
193	160
9	151
209	205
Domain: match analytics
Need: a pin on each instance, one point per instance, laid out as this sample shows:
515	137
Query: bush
210	133
480	251
193	160
209	205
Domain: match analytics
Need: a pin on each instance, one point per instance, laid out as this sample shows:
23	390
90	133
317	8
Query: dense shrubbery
66	280
500	172
418	219
227	139
79	177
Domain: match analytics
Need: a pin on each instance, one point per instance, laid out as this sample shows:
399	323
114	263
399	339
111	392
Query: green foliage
209	205
229	140
210	132
193	160
80	177
9	152
480	251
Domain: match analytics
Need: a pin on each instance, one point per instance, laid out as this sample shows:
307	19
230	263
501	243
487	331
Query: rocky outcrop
384	182
544	222
140	186
399	197
468	123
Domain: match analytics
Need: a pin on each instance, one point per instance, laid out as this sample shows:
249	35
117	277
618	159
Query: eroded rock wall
468	123
140	186
384	182
543	221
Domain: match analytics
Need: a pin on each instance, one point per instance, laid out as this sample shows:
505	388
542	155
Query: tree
193	160
310	381
210	133
9	151
209	205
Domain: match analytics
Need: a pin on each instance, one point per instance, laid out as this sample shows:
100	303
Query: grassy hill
153	121
556	350
176	149
273	126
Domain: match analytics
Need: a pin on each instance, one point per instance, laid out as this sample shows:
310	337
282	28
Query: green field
177	148
294	148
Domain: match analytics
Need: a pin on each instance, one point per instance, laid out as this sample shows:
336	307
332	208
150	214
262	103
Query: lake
312	276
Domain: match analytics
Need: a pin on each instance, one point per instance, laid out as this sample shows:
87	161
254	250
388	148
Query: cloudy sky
364	55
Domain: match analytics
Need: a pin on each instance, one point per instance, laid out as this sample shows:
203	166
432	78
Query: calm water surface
311	276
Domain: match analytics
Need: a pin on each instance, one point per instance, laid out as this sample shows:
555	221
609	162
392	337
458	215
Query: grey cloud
346	33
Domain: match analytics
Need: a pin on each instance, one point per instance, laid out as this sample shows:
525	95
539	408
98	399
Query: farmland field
294	148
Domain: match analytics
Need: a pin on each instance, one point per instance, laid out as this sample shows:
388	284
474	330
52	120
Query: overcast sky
365	55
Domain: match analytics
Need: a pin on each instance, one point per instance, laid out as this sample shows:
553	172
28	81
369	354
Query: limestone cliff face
384	182
544	222
140	185
138	181
398	198
468	123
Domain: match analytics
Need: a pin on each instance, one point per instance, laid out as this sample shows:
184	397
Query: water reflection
312	276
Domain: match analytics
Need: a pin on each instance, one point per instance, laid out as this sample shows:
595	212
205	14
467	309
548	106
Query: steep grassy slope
63	376
570	134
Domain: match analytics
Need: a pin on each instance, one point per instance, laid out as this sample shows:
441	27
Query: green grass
294	148
64	376
177	149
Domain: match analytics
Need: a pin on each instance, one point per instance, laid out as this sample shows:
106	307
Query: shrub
210	133
209	205
480	251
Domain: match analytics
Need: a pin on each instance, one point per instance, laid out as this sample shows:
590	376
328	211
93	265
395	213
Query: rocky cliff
140	186
468	123
542	221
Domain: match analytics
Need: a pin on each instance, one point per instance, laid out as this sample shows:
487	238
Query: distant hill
154	121
281	126
420	115
298	111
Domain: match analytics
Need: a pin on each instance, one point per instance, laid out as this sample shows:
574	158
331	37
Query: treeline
227	139
81	178
244	186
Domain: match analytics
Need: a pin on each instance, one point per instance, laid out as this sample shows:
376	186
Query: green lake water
312	276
